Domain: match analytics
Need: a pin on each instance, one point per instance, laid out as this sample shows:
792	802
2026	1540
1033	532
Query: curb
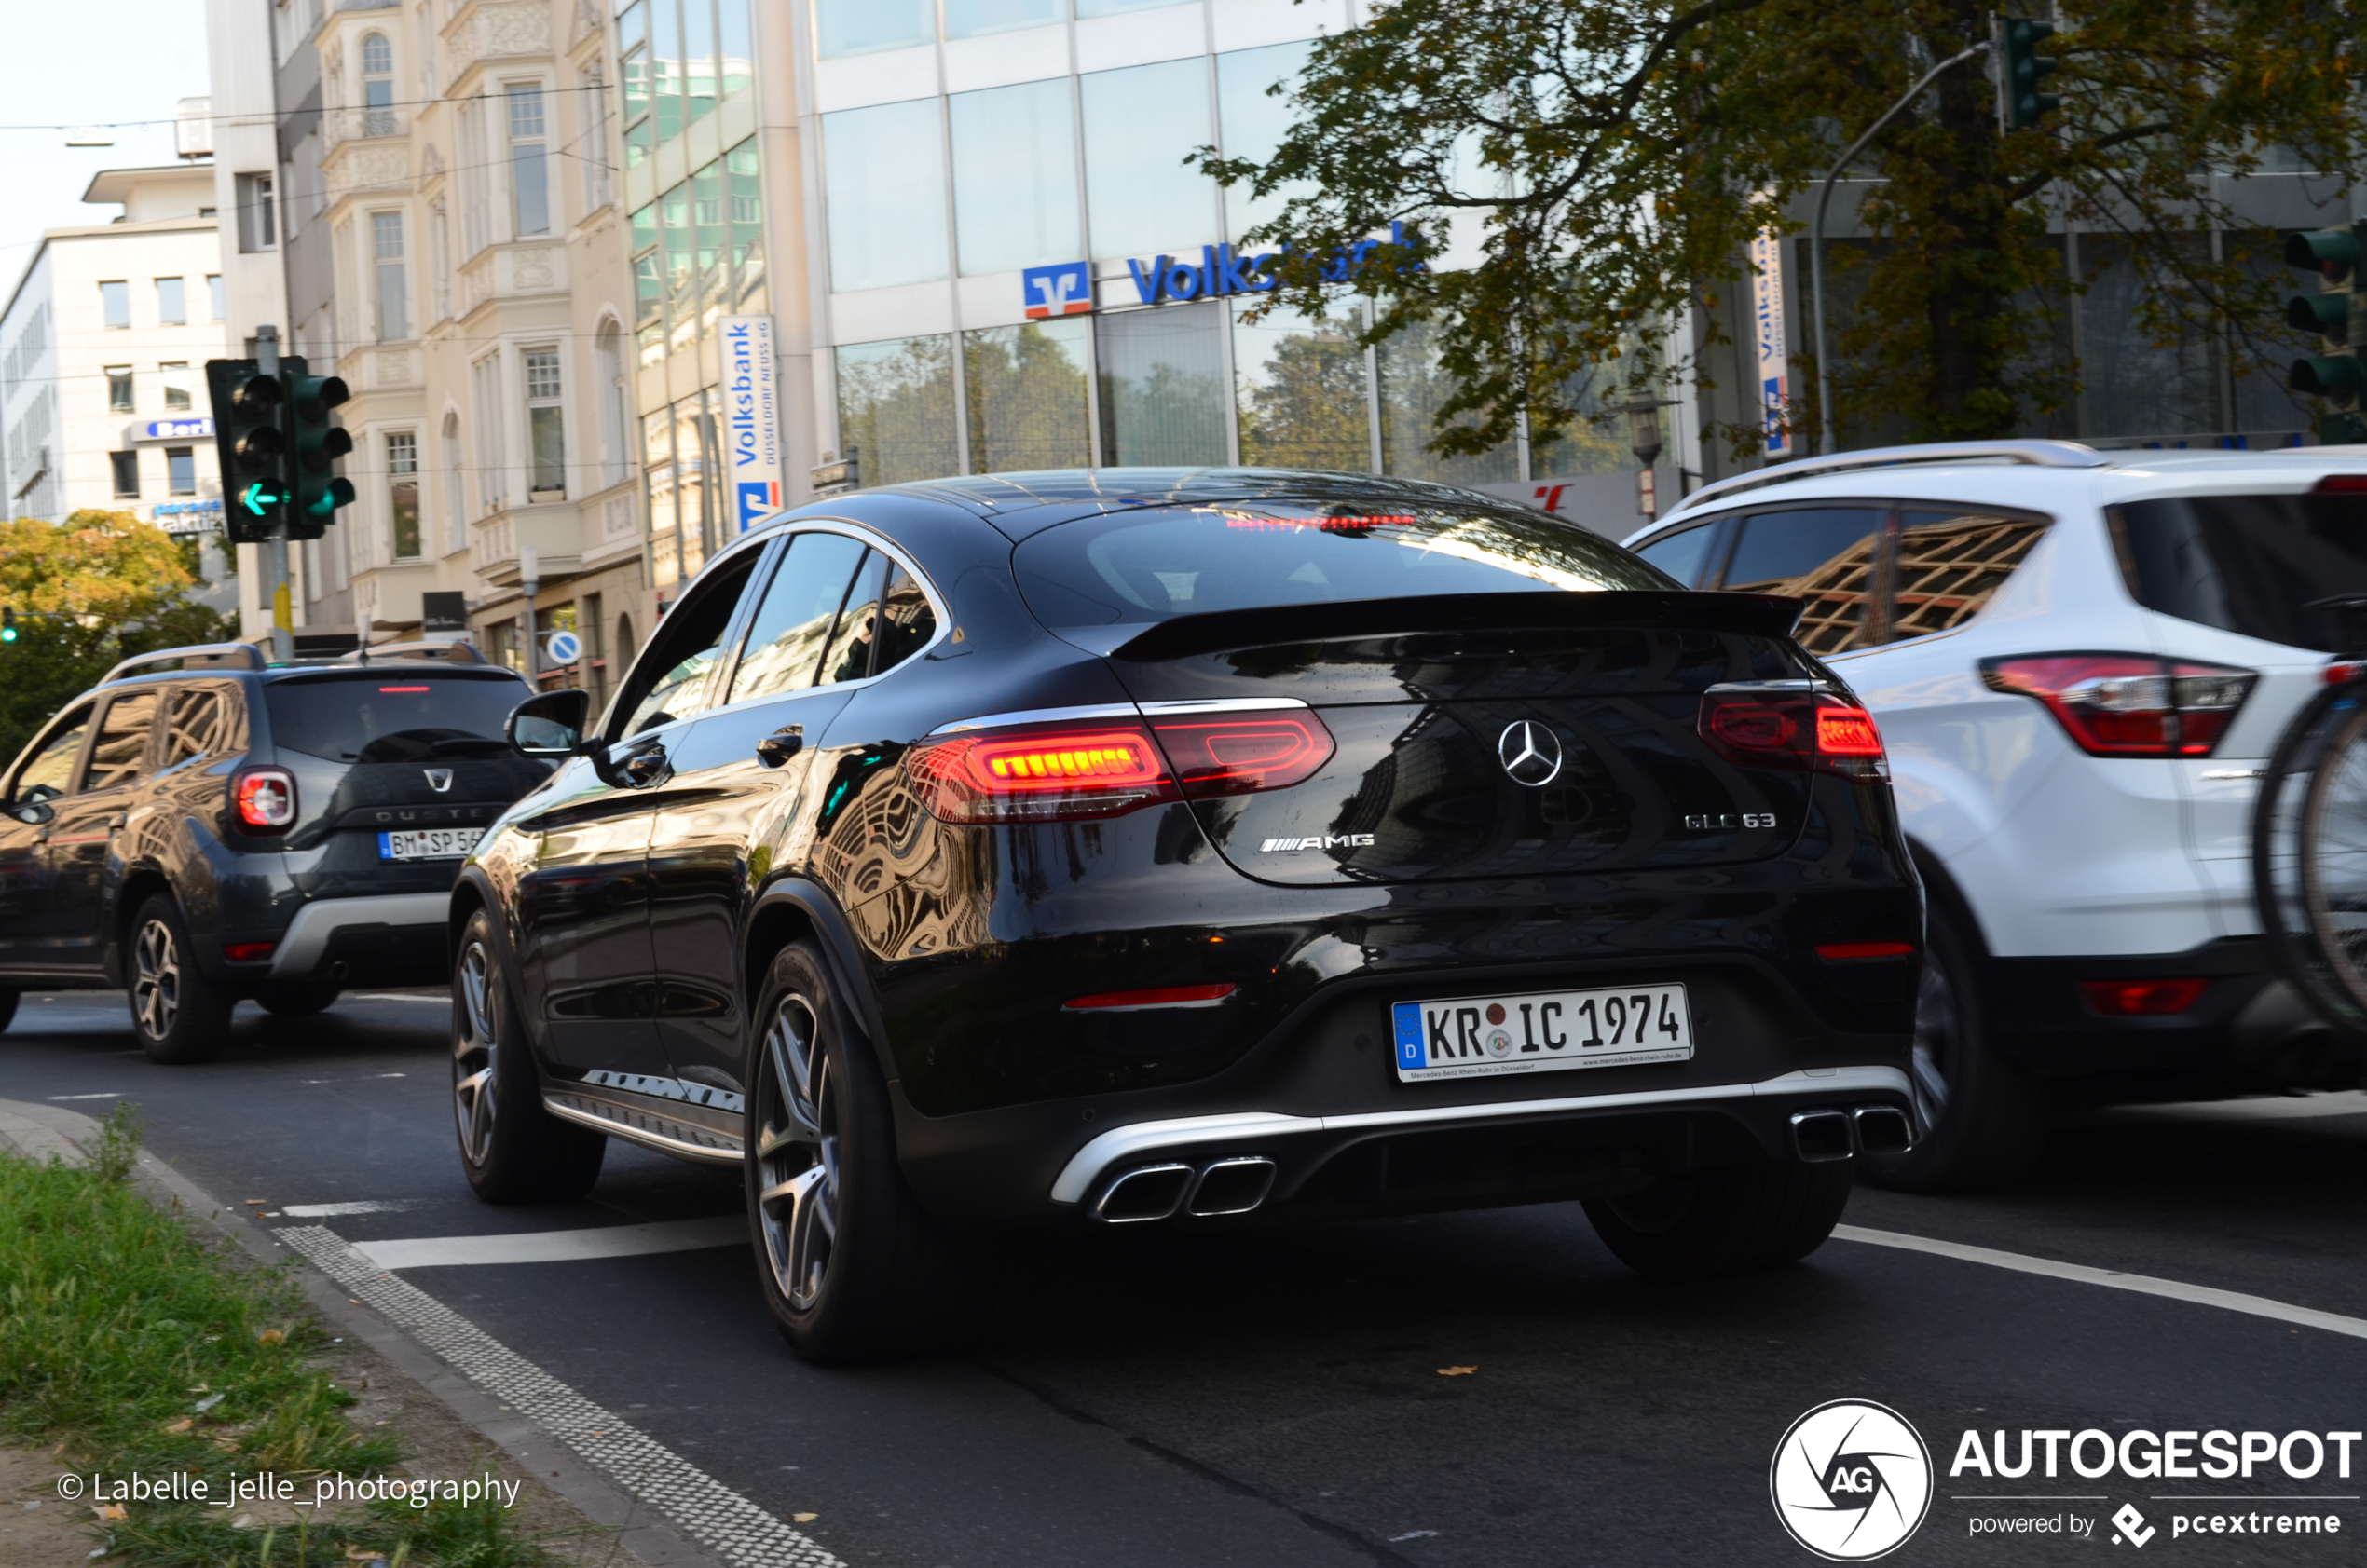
40	1132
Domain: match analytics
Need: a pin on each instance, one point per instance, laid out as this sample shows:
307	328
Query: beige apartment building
452	248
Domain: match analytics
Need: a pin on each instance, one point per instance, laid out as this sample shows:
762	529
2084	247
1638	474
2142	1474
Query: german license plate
429	843
1543	1032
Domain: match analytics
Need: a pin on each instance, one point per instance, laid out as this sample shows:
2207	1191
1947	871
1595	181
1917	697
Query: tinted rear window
2248	564
406	717
1160	561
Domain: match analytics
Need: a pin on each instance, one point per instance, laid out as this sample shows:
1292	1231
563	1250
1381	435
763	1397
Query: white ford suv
2080	661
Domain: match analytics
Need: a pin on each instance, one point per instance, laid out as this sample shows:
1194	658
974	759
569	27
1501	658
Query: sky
79	62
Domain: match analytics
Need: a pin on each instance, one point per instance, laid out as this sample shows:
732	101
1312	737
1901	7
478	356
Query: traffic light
7	626
251	446
2336	315
314	493
2025	68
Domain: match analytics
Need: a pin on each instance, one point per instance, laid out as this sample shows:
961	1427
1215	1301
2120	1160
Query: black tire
7	1009
179	1016
1725	1221
511	1150
1981	1120
848	1265
298	1002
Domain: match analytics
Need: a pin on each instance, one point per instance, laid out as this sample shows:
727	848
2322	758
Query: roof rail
448	653
208	655
2038	454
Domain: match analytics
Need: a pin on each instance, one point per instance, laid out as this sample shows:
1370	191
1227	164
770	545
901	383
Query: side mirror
551	725
33	813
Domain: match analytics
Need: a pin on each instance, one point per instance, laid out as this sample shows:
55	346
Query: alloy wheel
1939	1038
797	1153
156	982
473	1046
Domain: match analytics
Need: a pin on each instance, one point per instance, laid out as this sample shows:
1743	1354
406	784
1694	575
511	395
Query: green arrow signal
254	498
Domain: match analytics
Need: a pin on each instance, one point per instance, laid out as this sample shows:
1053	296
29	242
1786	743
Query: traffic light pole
275	552
1827	444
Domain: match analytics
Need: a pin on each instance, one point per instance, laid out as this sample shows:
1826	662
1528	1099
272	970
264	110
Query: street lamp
1644	440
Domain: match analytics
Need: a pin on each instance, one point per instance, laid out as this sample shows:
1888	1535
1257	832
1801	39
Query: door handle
114	823
646	766
780	745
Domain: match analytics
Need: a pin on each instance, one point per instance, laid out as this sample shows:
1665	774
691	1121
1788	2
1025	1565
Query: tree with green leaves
1605	164
89	592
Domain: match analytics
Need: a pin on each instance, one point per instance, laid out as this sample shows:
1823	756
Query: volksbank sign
751	419
1066	287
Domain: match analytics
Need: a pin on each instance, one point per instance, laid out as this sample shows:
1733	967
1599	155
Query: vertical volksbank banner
1767	310
751	419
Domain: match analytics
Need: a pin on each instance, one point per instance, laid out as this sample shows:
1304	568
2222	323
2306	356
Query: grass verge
130	1348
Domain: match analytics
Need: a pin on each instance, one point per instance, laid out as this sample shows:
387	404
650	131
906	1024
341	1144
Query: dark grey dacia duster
203	826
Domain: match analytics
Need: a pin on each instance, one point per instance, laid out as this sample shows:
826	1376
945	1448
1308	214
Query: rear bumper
390	939
2248	1032
1475	1155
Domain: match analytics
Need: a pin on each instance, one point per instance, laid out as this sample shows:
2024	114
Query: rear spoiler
1766	615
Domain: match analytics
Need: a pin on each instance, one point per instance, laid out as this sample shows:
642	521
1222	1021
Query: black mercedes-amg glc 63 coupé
1201	847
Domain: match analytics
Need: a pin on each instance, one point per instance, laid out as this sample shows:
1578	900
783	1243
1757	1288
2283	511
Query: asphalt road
1276	1397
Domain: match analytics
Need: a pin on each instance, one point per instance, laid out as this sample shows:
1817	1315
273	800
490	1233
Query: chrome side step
650	1128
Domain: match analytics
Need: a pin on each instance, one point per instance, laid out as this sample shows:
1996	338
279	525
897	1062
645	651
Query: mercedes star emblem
1531	754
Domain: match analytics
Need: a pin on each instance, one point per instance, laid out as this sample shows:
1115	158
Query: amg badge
1318	841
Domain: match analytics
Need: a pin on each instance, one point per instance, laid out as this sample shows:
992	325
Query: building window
529	168
968	18
1111	7
119	390
377	85
1252	125
1163	396
476	203
385	250
596	148
698	62
127	474
115	306
545	422
213	293
747	224
1141	197
1028	393
883	169
1304	404
1014	176
402	494
175	377
1412	387
172	302
860	26
456	507
181	470
441	239
895	407
738	52
616	402
485	388
258	228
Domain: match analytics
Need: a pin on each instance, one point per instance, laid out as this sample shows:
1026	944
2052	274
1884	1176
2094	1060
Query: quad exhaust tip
1822	1136
1221	1187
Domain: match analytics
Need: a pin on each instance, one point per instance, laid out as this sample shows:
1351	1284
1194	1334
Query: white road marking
376	995
369	1205
2279	1108
111	1094
705	1509
556	1246
2145	1285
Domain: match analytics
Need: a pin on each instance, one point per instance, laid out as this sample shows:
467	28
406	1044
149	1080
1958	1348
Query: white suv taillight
2129	705
265	798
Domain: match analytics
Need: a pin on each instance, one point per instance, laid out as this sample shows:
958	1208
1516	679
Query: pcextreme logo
1850	1481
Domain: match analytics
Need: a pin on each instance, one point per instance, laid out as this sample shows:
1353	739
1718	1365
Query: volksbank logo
1063	289
1066	287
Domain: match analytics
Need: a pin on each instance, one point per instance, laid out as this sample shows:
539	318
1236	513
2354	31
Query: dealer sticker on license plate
1546	1031
429	843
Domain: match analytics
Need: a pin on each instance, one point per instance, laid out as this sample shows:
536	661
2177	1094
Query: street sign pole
275	570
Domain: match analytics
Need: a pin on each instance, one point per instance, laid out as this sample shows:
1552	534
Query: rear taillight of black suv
2129	705
264	801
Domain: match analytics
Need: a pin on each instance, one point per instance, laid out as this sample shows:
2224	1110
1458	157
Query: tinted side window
793	625
905	621
48	772
850	654
200	721
1951	564
670	680
120	754
1823	554
2248	564
1689	554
